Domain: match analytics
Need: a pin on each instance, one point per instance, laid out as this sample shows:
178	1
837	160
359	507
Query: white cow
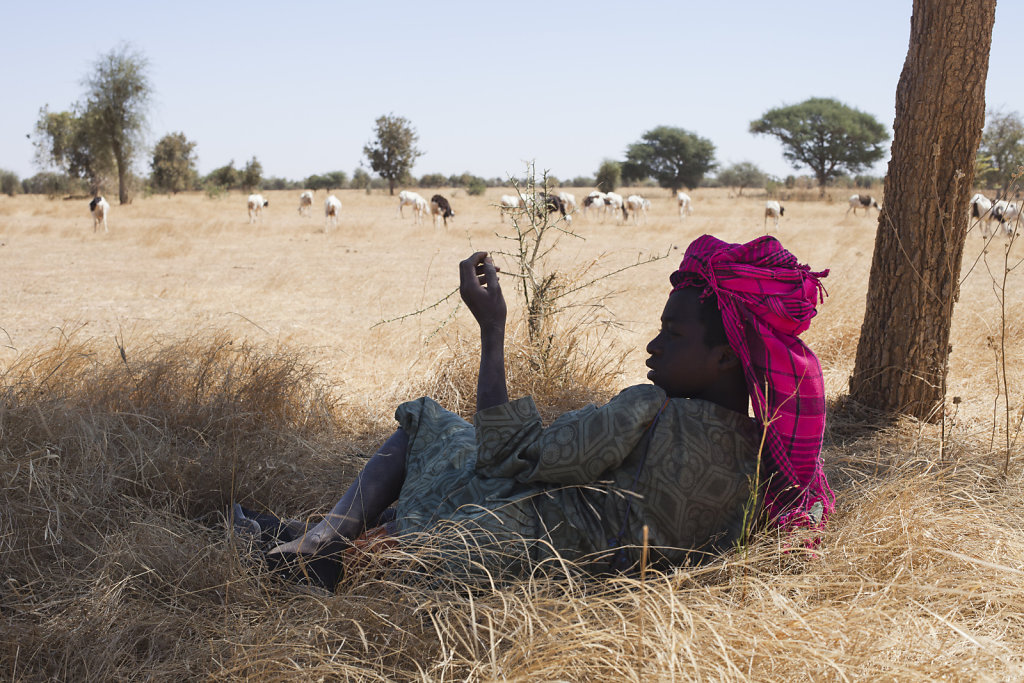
685	205
256	204
508	202
862	201
99	209
638	206
420	208
332	209
306	203
569	199
772	209
409	198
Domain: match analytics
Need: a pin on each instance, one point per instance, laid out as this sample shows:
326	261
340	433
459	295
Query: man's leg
376	487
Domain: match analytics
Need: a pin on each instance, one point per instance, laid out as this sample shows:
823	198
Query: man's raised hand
479	288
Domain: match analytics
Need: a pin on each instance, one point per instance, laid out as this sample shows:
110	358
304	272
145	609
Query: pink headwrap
767	299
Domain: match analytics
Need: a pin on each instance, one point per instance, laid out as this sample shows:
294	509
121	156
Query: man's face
681	363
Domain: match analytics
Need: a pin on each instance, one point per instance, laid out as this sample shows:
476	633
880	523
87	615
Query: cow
638	206
685	205
441	209
306	203
862	201
595	202
413	199
256	204
773	209
615	203
332	211
99	208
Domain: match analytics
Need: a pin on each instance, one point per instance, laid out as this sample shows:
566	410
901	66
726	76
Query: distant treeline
226	178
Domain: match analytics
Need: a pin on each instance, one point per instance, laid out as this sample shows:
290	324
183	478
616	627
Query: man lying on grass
668	466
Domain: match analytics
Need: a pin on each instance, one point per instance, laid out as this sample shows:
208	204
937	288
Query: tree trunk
940	111
122	189
391	186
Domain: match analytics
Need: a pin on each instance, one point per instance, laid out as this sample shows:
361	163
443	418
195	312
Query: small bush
434	180
476	187
609	175
10	185
868	181
333	180
53	184
360	179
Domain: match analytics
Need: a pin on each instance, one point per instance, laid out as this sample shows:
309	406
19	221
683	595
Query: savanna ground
186	358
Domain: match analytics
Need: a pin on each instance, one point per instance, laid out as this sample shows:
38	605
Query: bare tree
903	351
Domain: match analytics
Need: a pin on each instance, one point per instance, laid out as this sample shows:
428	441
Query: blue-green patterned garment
507	492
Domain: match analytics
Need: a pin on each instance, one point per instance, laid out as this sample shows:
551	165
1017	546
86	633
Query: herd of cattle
602	204
599	204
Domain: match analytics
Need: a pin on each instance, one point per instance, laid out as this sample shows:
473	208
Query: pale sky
486	85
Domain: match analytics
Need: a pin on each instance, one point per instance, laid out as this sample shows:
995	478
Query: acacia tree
64	141
1002	149
251	176
174	164
117	98
940	110
741	175
393	152
225	176
826	136
676	158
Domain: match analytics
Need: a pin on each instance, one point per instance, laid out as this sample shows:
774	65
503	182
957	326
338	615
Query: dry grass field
185	358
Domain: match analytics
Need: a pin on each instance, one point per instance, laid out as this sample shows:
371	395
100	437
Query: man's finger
490	274
468	267
468	271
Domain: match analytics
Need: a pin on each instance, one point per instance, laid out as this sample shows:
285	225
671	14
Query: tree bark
903	352
122	189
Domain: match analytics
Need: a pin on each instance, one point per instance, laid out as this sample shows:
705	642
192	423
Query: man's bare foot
243	526
310	543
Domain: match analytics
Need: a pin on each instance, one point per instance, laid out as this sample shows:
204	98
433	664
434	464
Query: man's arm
479	288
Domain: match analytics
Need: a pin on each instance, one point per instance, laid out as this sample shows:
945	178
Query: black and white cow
862	201
99	209
441	209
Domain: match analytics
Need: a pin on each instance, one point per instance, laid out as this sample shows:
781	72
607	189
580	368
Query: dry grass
251	371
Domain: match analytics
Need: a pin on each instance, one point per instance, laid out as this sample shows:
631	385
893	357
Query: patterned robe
506	492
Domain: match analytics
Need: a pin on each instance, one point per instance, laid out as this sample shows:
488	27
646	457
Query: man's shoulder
707	415
642	392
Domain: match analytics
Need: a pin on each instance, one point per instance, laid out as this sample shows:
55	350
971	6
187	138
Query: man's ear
727	359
